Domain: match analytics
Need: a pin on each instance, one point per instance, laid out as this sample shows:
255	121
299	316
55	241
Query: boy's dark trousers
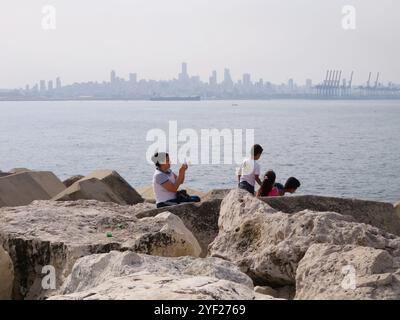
246	186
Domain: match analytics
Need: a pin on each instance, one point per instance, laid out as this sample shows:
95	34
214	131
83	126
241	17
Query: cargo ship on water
194	98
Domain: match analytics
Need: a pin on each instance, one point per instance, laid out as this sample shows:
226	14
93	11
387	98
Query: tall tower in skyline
50	86
291	84
227	77
113	76
246	79
183	76
58	83
132	77
42	86
184	68
213	79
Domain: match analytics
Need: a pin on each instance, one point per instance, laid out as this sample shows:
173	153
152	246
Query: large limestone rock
268	245
58	233
348	272
397	208
22	188
71	180
238	206
6	275
200	218
378	214
128	275
216	194
102	185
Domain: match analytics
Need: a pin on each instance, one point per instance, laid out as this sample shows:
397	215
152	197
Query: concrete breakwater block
101	185
22	188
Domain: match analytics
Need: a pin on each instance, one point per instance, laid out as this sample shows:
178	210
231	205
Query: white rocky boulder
200	218
127	275
337	272
269	245
378	214
58	233
237	206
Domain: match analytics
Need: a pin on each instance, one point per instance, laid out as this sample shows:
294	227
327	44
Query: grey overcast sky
271	39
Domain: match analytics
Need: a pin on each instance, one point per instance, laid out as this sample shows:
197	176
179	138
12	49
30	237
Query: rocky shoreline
103	239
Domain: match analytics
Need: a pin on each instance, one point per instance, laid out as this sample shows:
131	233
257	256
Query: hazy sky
272	39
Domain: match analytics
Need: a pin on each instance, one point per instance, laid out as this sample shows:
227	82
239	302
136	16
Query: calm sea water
338	148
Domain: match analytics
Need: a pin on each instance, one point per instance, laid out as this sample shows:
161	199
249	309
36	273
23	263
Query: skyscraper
227	77
184	68
50	85
291	84
42	86
213	78
246	79
58	83
113	76
132	78
184	76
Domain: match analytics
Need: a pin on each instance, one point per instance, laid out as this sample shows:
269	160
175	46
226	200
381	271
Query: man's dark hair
256	150
292	183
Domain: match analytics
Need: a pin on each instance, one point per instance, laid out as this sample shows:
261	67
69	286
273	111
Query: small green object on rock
109	235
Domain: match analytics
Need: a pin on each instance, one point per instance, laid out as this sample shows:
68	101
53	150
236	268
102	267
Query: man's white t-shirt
159	178
248	171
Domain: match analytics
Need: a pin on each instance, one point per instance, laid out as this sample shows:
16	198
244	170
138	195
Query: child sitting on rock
166	183
268	188
291	185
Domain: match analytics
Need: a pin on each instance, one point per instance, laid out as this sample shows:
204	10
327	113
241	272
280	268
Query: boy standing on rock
249	171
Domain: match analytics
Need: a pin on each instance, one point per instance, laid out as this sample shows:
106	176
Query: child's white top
249	169
159	178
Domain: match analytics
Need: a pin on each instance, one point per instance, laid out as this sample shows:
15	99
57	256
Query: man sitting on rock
166	183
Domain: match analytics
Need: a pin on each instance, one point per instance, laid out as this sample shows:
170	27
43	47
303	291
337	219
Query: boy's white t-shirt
248	171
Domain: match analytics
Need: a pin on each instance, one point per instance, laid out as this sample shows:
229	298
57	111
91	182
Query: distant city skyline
271	39
186	86
214	78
